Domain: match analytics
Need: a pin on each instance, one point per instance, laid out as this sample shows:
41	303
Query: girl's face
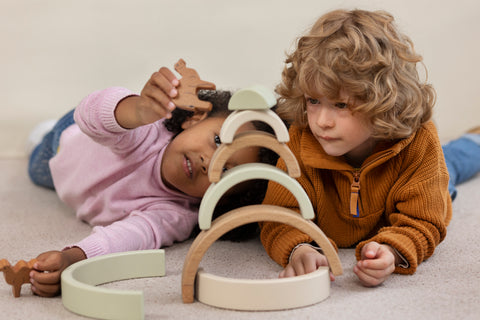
339	132
187	158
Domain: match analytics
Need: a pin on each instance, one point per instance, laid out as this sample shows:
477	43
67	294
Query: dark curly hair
255	189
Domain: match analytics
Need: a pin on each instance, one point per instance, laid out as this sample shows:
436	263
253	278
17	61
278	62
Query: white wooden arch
254	97
250	171
81	295
239	117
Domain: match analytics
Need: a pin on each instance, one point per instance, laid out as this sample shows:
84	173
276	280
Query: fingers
376	265
45	276
369	251
160	89
48	261
289	271
371	277
160	85
367	279
45	284
46	290
305	260
169	76
156	104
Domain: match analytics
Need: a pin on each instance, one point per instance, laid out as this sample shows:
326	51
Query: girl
134	167
370	156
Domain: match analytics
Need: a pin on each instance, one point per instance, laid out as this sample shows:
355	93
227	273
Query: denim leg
38	165
38	168
462	157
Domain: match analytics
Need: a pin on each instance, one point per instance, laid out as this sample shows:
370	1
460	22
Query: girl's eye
216	138
224	169
341	105
313	101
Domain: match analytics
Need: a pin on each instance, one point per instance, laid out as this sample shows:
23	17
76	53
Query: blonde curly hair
363	54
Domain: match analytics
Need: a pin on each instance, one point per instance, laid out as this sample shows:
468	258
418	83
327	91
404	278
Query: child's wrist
318	249
74	254
400	260
126	114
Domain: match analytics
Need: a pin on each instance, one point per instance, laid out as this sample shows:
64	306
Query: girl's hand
154	103
376	265
305	259
45	276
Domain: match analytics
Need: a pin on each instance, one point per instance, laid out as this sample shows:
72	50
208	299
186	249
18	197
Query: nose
324	117
204	163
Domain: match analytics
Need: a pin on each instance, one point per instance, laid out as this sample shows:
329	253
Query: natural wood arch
252	139
244	215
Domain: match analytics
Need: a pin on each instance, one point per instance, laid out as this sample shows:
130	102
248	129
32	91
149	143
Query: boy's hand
154	103
45	276
377	263
305	259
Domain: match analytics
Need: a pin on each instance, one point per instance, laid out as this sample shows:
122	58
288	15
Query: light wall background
55	52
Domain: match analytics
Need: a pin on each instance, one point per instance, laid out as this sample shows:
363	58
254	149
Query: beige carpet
447	286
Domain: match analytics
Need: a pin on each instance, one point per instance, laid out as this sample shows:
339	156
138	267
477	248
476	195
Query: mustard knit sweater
398	197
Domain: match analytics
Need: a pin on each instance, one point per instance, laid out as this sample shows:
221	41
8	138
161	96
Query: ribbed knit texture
403	199
112	178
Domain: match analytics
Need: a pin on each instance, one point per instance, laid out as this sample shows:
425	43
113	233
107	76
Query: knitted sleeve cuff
402	245
112	98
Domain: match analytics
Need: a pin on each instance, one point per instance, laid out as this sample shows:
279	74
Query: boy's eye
341	105
216	138
313	101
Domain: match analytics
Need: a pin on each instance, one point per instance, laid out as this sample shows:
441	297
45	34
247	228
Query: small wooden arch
250	171
252	139
244	215
254	97
81	295
239	117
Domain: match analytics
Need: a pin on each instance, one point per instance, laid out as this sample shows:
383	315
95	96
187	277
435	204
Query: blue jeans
462	157
38	167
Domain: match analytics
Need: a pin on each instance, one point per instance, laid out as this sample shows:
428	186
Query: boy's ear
193	120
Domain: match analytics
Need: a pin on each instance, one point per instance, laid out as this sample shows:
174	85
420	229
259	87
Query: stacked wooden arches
249	104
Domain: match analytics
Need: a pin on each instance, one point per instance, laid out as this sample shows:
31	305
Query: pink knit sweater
111	177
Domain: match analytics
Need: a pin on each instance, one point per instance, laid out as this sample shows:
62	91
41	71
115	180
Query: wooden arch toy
265	294
239	117
254	97
250	171
80	294
252	139
238	217
254	294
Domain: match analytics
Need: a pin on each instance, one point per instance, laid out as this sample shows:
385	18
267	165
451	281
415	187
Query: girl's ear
193	120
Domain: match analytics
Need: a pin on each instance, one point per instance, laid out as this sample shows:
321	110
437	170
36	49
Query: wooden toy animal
17	275
190	83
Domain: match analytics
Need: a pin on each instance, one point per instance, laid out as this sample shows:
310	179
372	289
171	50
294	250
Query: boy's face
339	132
187	157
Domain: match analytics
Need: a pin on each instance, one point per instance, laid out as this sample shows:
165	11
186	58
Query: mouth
187	167
326	138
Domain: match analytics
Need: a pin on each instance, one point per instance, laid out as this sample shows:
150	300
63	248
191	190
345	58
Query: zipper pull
354	194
